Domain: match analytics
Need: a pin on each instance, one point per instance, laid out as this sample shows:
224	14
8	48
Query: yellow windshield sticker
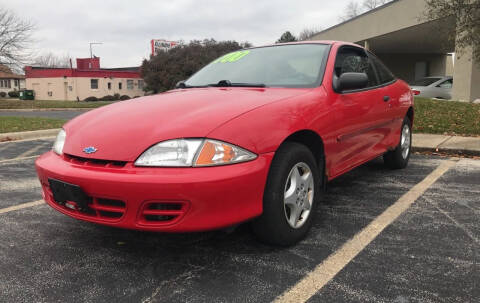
232	57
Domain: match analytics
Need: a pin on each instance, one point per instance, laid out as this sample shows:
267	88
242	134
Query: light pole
91	43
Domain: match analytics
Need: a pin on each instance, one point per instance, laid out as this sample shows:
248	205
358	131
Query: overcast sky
126	26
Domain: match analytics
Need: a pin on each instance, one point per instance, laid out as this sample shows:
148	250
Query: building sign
162	45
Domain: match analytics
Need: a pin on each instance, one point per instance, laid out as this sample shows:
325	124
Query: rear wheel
290	196
398	158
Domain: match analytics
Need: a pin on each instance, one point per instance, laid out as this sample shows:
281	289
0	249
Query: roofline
325	42
20	77
356	17
123	69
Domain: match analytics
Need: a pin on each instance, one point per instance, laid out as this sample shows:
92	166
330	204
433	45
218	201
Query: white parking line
21	206
328	269
30	151
29	139
18	159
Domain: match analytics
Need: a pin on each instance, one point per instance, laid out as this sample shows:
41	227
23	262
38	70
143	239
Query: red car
255	135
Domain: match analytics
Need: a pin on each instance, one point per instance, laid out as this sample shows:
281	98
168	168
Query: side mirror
351	81
180	84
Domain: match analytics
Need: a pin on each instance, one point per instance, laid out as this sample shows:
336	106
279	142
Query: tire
278	225
398	158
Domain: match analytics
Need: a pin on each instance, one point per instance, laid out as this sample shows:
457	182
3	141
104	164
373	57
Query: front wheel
290	197
398	158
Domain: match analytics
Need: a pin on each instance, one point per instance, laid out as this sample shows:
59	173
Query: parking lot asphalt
56	114
428	254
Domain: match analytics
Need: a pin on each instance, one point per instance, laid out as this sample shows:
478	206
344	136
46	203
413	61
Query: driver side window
355	60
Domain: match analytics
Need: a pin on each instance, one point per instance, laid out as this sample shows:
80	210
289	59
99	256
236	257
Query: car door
390	112
445	89
358	113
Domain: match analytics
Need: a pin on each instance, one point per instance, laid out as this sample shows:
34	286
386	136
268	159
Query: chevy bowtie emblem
89	150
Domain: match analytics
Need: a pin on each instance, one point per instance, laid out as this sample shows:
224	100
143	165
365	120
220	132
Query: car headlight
193	152
59	142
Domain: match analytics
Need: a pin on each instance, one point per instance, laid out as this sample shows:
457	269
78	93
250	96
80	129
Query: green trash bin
26	95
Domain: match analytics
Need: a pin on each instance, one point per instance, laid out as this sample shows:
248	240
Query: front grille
155	213
106	209
94	162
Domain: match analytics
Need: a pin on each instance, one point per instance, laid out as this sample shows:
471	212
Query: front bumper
207	197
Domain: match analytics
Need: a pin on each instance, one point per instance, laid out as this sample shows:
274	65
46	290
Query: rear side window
384	74
354	60
446	84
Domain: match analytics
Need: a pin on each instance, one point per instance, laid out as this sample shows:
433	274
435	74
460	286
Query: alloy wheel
298	194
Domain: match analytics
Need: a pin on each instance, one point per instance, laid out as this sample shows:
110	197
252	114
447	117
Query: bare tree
351	11
371	4
15	37
51	60
307	33
467	18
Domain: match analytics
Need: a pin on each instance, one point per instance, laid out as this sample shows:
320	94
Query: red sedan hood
122	131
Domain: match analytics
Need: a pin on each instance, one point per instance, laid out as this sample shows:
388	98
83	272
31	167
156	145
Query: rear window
424	81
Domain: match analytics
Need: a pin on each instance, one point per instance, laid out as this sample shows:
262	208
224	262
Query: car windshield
425	81
294	65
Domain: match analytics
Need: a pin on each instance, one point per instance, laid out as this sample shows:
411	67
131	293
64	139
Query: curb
35	134
447	151
43	109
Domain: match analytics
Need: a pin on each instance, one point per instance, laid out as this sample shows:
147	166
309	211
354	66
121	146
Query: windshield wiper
227	83
181	84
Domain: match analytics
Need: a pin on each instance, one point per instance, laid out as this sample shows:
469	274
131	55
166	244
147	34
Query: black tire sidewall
272	226
394	159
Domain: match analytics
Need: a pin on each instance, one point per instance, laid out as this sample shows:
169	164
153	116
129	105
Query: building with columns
411	46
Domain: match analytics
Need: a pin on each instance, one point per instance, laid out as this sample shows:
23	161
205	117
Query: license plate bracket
64	192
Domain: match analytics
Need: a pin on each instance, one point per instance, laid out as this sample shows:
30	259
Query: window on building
16	83
119	85
129	84
109	85
5	83
140	84
94	83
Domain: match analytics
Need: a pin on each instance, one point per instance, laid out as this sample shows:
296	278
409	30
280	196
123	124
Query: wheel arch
313	142
410	114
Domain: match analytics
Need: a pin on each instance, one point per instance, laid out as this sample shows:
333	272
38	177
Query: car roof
328	42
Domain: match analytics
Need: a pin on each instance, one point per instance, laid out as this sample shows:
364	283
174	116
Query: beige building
411	46
87	80
10	81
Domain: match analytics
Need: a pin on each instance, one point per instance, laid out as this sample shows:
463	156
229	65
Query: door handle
386	98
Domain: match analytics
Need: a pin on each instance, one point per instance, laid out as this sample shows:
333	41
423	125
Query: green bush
13	94
107	98
91	99
116	96
3	94
163	71
124	97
